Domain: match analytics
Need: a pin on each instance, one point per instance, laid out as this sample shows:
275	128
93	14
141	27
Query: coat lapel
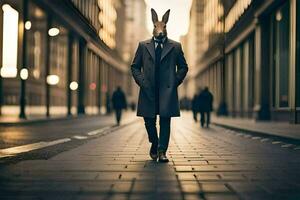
167	48
150	48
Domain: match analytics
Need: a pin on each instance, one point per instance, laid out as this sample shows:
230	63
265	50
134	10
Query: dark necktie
158	51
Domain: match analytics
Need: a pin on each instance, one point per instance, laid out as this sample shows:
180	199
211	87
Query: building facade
193	45
65	56
135	31
253	67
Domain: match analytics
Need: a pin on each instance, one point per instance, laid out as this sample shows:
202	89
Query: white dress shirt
161	44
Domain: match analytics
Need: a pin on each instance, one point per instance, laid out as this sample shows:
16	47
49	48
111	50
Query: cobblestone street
213	163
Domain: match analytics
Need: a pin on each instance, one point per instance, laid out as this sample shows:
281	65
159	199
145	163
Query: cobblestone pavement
210	163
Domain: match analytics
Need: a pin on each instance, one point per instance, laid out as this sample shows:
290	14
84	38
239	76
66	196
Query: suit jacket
172	71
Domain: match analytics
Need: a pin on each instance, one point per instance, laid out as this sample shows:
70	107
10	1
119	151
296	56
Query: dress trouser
118	115
164	132
203	120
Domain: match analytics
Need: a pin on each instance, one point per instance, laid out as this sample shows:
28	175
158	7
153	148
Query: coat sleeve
182	67
137	65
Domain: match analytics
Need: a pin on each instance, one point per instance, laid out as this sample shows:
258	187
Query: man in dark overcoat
205	101
158	68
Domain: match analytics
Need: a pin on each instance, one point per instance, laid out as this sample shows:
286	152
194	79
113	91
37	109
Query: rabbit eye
154	26
165	26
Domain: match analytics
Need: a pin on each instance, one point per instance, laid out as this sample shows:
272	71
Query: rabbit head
160	28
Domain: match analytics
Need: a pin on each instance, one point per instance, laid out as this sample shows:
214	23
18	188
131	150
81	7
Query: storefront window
74	72
36	37
36	27
281	27
92	84
58	63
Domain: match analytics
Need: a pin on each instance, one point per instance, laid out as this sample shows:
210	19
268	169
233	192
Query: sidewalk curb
286	139
45	120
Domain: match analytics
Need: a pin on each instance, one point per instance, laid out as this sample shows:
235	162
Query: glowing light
52	79
235	13
104	88
36	73
28	25
213	13
103	110
8	72
24	74
73	85
107	19
53	31
10	42
278	16
93	86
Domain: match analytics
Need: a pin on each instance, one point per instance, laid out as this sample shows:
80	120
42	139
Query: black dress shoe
162	157
153	151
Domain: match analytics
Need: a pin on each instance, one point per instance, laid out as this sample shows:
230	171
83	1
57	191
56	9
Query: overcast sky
179	15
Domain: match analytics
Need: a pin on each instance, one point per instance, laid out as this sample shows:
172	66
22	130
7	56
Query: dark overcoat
172	71
205	101
119	100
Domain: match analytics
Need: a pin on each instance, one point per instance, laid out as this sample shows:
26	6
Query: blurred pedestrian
108	107
184	103
195	107
119	103
132	106
205	101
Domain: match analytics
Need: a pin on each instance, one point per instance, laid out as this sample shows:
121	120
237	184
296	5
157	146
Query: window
36	37
280	28
36	27
58	55
229	81
237	79
251	72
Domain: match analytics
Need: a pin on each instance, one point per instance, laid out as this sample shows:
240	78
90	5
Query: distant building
192	44
135	31
255	68
70	49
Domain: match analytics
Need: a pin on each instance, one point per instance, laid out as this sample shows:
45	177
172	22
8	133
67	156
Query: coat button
168	86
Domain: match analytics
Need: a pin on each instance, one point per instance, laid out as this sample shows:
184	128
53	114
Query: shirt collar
161	42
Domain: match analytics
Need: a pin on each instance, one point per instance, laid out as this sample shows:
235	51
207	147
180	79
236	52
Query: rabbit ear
165	18
154	16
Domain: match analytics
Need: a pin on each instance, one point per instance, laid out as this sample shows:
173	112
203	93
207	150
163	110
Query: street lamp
72	87
51	80
24	77
24	70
